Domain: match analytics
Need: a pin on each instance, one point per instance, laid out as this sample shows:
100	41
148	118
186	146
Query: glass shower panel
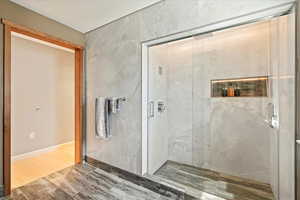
196	140
180	101
158	121
229	134
274	94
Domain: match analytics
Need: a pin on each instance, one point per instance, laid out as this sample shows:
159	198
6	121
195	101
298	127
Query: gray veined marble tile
72	180
143	182
103	180
98	186
40	189
81	196
128	191
95	193
85	182
198	181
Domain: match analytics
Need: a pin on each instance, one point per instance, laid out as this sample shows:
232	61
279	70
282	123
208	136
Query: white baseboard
38	152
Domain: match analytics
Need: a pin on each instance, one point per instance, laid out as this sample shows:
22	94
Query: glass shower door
218	106
157	111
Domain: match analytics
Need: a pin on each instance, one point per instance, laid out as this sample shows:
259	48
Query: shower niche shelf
240	87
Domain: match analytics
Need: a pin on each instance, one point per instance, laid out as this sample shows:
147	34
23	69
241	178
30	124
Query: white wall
42	96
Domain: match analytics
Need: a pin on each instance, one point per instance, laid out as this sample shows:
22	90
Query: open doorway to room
42	108
42	105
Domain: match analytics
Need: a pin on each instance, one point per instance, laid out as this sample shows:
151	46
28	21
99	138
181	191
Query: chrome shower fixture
115	103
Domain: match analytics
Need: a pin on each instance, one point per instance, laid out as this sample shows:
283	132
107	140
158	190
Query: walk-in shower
218	109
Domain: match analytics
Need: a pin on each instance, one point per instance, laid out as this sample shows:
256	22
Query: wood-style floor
83	182
80	182
29	169
195	181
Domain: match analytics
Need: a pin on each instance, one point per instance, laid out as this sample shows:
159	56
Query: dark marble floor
83	182
194	181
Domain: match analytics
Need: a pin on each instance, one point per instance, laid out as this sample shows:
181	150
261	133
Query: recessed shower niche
215	137
240	87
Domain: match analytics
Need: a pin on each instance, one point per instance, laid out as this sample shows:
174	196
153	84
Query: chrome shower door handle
272	118
151	109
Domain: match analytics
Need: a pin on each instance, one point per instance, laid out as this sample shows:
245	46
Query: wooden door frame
10	27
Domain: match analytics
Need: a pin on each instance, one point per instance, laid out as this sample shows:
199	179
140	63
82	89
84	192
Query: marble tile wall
113	66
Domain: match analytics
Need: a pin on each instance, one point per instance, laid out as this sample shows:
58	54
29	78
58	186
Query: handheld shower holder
115	103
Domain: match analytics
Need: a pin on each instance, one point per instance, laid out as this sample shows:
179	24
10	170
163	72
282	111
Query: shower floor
195	181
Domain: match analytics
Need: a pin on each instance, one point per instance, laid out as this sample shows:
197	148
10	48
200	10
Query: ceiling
85	15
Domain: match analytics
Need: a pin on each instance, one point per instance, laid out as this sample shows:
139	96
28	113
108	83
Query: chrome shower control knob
161	106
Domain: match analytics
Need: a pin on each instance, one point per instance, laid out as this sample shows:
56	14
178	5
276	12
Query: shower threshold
198	181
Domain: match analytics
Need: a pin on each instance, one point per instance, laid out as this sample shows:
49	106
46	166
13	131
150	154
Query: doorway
26	154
